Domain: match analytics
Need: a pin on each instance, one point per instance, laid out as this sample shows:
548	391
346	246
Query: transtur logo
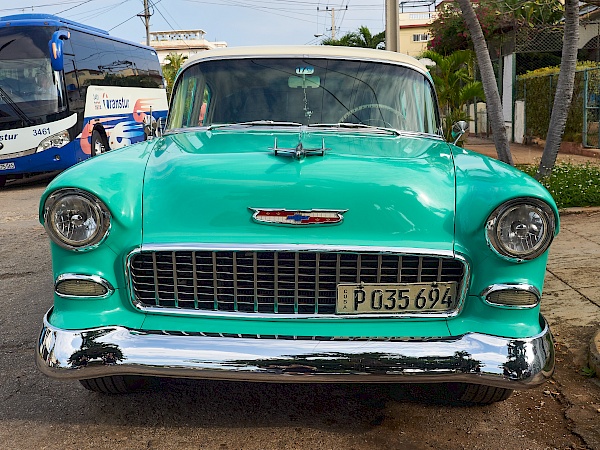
8	137
118	103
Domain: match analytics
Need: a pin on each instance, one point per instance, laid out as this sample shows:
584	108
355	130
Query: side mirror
55	46
458	129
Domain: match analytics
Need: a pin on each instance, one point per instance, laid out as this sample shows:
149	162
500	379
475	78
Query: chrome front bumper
471	358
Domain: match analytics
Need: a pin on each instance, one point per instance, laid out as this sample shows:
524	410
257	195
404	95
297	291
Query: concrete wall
519	121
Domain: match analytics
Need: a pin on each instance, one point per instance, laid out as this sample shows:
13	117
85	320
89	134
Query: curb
579	210
594	359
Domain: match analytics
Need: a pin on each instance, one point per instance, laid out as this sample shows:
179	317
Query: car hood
399	191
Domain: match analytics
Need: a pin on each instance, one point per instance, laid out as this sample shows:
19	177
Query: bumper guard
471	358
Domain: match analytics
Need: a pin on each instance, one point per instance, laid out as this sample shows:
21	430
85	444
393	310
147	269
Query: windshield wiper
355	125
267	123
9	101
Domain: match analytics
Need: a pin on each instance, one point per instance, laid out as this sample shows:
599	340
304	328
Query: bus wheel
99	144
2	180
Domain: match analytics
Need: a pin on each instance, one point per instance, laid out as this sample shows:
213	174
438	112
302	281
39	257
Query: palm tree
564	89
365	39
494	105
361	38
454	84
174	61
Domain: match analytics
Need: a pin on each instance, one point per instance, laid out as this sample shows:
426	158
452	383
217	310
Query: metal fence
538	93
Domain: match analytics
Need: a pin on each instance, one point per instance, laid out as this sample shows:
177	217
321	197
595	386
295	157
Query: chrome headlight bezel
495	225
99	211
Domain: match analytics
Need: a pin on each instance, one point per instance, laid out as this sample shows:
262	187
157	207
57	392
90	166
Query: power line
73	7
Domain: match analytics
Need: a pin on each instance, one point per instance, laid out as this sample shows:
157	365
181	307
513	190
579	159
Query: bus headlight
521	229
75	219
56	140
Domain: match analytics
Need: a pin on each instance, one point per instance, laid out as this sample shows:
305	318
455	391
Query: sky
237	22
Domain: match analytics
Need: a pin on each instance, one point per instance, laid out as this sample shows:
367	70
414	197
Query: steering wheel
351	112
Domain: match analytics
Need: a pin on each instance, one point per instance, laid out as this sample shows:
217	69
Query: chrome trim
511	287
490	226
315	130
29	151
471	358
463	288
340	213
104	213
299	152
76	276
191	246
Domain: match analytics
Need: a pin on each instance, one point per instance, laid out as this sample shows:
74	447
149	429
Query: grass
571	184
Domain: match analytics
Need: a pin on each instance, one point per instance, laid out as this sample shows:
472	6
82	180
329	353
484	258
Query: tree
488	78
564	92
361	38
564	89
496	17
454	84
174	61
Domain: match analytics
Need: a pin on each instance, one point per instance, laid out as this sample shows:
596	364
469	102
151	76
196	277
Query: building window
421	37
419	16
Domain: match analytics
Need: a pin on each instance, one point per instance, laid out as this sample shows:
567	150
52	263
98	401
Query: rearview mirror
304	82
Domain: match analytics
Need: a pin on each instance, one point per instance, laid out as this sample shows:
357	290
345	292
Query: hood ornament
299	152
274	216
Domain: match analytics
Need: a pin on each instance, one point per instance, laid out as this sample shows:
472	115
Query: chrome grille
275	282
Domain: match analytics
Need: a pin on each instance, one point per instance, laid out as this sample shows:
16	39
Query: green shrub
571	184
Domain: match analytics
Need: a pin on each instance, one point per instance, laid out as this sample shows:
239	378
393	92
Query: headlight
521	229
76	219
56	140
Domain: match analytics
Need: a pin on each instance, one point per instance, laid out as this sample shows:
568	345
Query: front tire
99	143
117	384
481	395
3	179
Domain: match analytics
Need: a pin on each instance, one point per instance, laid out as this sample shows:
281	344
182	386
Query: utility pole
332	23
332	10
392	26
146	17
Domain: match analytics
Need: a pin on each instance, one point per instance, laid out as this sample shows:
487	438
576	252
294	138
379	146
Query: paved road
37	412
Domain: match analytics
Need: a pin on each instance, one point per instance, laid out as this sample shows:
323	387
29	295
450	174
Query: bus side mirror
55	46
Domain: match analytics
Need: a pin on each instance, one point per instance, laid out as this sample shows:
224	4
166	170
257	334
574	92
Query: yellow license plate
376	298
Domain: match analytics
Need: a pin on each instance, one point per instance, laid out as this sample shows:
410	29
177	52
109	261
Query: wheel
99	143
352	113
117	384
482	395
2	180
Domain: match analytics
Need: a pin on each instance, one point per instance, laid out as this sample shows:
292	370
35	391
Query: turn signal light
512	295
80	288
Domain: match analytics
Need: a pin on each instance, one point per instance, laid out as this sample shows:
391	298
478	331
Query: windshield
29	86
305	91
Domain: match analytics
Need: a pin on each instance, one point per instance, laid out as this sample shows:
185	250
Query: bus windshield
29	86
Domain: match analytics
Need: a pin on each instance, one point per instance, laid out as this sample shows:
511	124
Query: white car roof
308	51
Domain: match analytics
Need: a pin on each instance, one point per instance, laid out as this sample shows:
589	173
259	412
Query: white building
184	42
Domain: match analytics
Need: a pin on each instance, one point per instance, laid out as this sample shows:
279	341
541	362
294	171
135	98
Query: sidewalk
571	305
531	154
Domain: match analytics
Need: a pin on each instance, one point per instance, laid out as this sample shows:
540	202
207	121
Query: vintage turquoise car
301	219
